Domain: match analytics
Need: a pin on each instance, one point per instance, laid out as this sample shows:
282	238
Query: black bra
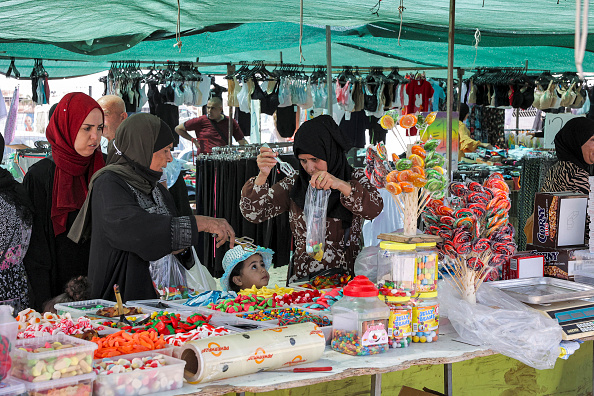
269	103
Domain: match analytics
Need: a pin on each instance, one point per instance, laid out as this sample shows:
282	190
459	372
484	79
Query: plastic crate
155	305
43	366
86	308
12	387
80	385
150	380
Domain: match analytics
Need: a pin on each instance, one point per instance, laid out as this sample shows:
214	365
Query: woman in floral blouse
320	147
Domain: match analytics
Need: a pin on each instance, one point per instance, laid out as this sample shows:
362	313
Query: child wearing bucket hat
246	265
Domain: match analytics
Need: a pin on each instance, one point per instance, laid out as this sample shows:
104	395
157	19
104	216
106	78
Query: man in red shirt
212	130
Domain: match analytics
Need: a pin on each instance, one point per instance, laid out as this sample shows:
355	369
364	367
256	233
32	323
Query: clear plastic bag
366	262
171	279
314	211
503	324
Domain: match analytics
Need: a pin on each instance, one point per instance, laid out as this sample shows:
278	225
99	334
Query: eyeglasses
246	243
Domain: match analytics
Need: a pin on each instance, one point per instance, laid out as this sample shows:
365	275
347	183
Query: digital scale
576	318
567	302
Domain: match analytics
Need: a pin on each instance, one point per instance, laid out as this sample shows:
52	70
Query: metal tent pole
230	71
450	83
329	68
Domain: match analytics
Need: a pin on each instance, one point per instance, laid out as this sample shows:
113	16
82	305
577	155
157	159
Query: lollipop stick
399	138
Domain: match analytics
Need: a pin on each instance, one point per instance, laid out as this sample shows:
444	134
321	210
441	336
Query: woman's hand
221	230
324	181
266	161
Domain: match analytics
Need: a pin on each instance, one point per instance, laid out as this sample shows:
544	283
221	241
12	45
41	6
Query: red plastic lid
361	286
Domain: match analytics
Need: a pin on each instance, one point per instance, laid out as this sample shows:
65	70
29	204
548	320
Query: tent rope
301	57
178	28
477	40
375	9
401	9
581	35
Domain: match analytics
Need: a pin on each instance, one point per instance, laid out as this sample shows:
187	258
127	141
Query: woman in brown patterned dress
320	147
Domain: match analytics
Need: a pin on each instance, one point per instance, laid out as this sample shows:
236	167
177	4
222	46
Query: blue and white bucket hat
239	254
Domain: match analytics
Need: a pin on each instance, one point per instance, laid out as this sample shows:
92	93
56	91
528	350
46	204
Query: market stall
388	322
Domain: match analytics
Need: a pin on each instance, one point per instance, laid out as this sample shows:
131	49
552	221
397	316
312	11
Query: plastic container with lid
360	320
80	385
400	324
427	261
425	318
51	358
12	387
164	378
396	269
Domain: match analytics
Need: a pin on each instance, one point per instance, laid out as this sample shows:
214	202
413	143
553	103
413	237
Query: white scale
567	302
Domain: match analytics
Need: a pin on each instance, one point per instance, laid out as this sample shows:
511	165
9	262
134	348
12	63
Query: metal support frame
450	86
376	384
329	68
447	379
230	71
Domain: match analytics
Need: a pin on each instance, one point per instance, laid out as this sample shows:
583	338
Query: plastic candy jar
427	259
425	318
396	269
360	320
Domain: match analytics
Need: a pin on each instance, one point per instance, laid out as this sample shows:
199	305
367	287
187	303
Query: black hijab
15	192
129	156
571	138
323	139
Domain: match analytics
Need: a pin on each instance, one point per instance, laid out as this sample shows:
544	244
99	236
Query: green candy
431	144
403	164
432	174
434	185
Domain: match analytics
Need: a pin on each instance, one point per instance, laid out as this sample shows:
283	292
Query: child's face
252	273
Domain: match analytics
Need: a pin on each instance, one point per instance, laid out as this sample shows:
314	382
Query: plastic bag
200	280
170	278
503	324
314	211
366	262
8	334
208	297
172	171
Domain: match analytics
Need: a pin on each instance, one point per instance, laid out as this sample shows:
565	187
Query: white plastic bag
200	280
503	324
366	262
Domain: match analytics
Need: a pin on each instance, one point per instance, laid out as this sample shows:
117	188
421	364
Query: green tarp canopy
87	35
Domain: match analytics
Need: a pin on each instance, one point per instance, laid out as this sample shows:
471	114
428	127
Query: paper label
399	324
425	318
374	333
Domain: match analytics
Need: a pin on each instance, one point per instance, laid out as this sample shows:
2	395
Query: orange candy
408	121
404	175
392	177
395	157
419	182
418	150
417	160
407	187
439	169
418	169
393	188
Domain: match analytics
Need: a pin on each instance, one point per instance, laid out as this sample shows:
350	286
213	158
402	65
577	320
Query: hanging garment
284	93
357	95
232	96
244	120
270	103
11	120
438	94
286	121
204	88
308	104
354	128
244	98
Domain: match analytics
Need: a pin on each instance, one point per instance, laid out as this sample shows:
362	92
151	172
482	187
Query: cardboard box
406	391
524	265
559	219
559	262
